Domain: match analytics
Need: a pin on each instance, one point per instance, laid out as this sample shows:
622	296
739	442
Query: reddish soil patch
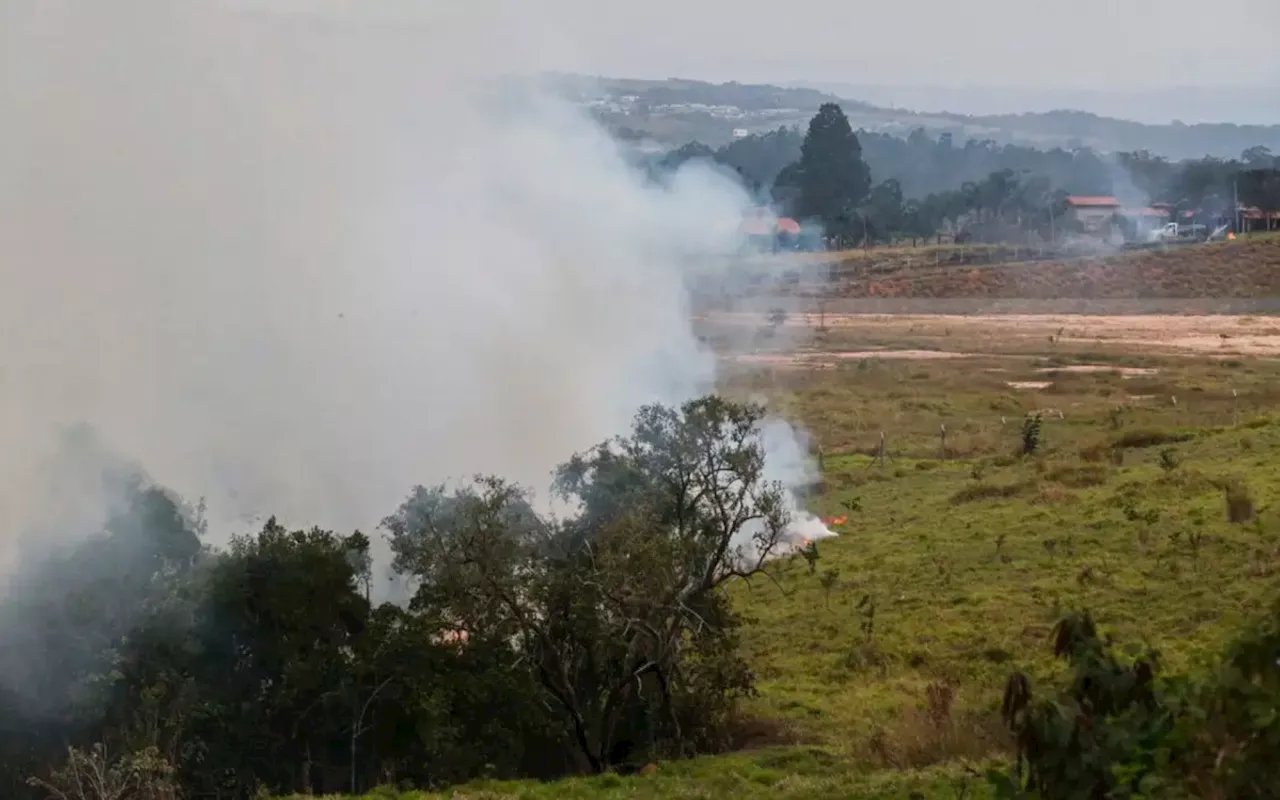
1087	369
1240	269
1223	335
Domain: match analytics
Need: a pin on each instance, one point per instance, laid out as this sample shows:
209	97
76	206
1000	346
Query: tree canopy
532	646
830	180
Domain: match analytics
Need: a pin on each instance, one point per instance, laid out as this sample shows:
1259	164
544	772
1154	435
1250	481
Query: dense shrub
1119	729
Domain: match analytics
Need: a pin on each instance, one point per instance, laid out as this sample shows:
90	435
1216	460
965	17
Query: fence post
1235	408
881	454
942	434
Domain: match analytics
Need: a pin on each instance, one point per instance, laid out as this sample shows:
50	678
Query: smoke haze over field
297	262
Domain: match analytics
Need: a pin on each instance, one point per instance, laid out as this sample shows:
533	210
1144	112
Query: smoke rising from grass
297	258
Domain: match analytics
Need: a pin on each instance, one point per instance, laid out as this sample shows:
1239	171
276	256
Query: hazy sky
1080	43
1128	58
1098	44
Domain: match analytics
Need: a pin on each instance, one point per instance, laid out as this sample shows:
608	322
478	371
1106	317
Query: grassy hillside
1248	268
1240	269
880	670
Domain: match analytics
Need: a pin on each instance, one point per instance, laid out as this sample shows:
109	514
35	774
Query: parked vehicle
1175	232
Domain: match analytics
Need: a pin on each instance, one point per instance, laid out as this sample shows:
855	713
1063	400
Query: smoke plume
295	258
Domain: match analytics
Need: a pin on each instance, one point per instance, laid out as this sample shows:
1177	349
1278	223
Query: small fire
832	522
804	532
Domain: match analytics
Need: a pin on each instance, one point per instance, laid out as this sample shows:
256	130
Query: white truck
1173	232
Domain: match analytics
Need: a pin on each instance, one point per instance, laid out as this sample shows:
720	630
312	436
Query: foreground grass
880	670
968	556
795	773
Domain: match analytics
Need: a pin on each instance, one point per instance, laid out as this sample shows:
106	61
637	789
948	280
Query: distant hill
1243	105
675	111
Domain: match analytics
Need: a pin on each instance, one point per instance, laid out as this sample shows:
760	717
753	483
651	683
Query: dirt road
1216	334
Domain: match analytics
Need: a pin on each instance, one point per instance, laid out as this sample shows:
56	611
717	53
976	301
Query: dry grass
1244	269
1082	476
987	491
933	732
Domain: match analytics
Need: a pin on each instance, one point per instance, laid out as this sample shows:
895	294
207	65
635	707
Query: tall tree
831	178
617	614
884	214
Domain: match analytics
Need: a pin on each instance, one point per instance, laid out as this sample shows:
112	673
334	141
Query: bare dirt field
896	355
1225	335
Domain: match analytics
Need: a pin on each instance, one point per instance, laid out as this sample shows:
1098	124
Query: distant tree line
681	119
532	647
914	187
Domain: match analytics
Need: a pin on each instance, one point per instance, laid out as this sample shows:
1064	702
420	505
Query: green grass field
880	669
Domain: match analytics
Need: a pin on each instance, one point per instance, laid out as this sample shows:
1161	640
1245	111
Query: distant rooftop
1087	201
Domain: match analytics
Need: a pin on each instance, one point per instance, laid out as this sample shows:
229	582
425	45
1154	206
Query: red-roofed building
1255	219
1091	201
788	226
1151	212
1093	213
766	231
1145	220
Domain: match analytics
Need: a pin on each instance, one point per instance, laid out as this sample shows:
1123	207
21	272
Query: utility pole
1235	195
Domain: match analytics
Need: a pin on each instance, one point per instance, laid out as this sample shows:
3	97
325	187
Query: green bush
1120	730
1031	428
1240	507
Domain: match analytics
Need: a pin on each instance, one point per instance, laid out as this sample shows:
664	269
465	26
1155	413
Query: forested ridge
916	186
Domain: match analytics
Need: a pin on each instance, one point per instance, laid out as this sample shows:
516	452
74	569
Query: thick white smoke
295	258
